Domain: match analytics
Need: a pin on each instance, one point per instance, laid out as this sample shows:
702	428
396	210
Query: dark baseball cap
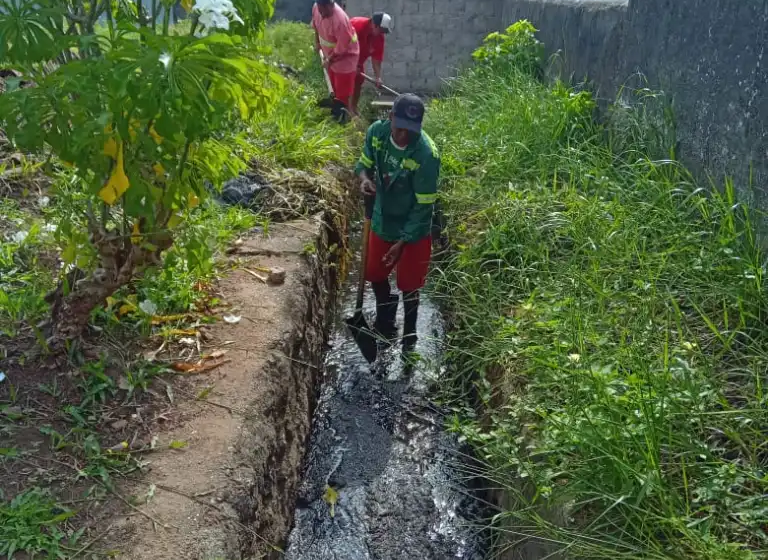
325	2
408	112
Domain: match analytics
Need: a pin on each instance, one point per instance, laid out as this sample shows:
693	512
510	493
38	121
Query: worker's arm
425	187
317	41
366	165
377	57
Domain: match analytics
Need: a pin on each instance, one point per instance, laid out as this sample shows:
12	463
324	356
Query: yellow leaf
192	200
135	234
67	164
126	308
159	170
187	5
331	496
159	319
177	444
118	182
174	221
110	148
111	301
155	136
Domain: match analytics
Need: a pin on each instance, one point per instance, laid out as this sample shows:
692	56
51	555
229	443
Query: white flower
49	228
574	358
43	201
148	307
19	236
216	14
165	59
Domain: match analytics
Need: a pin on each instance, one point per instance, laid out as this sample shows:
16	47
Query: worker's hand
393	255
327	62
368	187
379	83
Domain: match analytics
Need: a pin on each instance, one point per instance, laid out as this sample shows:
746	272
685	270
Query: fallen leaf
183	367
151	355
187	341
153	443
215	355
150	493
119	425
181	332
202	395
330	497
232	319
169	393
177	444
157	320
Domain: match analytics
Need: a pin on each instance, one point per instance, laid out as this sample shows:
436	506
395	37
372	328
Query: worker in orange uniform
371	32
337	39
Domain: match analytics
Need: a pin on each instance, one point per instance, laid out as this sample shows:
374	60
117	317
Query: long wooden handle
363	263
325	73
385	88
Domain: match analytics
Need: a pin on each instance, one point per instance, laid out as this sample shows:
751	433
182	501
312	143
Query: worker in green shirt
400	166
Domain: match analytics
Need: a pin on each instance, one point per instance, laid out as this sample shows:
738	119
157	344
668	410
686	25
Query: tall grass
608	320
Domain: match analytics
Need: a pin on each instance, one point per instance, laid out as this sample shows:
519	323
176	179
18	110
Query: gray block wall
297	10
707	56
432	38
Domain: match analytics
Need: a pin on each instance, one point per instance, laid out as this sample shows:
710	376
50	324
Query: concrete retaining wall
707	56
298	10
432	38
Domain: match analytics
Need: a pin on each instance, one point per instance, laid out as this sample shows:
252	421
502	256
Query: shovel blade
363	336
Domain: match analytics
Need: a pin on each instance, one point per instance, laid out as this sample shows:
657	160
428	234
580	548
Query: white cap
383	20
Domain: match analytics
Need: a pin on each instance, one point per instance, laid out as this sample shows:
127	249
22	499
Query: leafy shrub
517	46
134	111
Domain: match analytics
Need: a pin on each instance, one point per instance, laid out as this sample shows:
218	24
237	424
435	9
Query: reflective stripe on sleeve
426	198
327	43
366	161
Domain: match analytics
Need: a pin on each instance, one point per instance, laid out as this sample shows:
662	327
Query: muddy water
378	441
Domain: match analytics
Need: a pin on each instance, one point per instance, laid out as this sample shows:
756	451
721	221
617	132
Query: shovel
337	107
358	326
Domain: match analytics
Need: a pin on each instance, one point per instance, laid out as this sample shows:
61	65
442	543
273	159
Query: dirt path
232	489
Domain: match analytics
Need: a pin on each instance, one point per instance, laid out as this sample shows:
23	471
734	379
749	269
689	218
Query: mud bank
230	493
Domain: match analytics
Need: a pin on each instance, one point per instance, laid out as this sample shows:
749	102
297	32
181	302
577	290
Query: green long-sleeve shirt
406	183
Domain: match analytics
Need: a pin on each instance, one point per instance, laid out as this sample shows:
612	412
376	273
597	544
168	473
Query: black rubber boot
411	305
386	309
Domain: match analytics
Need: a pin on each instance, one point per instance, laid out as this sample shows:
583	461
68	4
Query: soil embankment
230	492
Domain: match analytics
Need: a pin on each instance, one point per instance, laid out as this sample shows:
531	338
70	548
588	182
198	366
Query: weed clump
608	325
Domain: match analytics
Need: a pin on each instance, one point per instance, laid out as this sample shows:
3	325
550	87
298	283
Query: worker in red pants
400	166
371	32
337	39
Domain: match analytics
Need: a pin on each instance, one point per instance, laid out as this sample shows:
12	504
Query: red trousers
343	85
412	267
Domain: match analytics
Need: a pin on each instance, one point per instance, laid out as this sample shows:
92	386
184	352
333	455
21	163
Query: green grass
609	348
31	522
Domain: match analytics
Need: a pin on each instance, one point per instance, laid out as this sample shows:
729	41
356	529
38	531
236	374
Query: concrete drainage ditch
379	445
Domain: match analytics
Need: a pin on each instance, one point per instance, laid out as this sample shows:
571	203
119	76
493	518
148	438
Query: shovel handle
363	263
385	88
325	74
